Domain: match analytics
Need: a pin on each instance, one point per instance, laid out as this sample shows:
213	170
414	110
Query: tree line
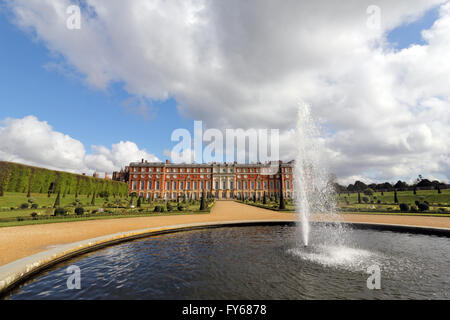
420	183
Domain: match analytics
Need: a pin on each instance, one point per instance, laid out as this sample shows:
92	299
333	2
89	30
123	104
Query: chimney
167	161
142	161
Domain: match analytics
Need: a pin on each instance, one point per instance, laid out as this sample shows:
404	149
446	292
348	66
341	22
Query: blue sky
71	107
32	85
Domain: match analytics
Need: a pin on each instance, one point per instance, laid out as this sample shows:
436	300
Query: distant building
168	180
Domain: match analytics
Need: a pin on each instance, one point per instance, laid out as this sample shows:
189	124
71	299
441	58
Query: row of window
181	185
246	195
224	170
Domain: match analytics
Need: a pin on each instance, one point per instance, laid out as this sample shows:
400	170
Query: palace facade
159	180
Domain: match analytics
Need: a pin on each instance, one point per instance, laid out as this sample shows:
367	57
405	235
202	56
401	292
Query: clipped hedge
15	177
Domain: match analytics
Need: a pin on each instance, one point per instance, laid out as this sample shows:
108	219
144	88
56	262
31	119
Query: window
224	185
287	184
167	185
181	185
150	185
231	185
259	185
134	185
245	185
271	184
157	185
174	185
217	185
202	185
208	185
239	185
252	185
195	185
188	185
142	185
265	184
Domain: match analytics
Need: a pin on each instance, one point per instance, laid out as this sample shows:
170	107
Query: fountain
314	190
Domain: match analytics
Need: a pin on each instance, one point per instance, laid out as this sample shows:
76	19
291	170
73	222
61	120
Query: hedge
15	177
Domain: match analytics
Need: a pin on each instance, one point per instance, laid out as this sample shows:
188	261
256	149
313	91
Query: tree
282	204
138	202
395	196
368	192
58	200
415	190
439	189
203	202
264	198
359	197
93	199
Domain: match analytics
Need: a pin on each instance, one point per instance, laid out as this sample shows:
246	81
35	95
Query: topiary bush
423	207
79	211
24	206
34	206
60	211
404	207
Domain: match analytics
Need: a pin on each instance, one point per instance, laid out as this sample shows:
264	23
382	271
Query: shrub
169	207
365	199
423	207
157	209
413	209
34	206
34	215
442	210
180	208
60	211
20	218
404	207
378	201
79	211
24	206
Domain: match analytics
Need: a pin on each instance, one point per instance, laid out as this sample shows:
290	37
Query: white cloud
34	142
248	63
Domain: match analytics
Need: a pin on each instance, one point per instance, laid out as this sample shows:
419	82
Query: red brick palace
160	180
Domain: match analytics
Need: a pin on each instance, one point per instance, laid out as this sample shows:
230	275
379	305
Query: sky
113	91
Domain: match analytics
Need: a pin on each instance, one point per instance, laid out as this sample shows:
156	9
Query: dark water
255	263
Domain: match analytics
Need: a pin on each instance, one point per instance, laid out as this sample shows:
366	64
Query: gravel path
22	241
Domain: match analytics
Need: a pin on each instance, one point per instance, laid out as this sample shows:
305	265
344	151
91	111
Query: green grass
348	203
408	197
10	212
73	218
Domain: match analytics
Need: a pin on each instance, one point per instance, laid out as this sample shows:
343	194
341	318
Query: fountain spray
313	187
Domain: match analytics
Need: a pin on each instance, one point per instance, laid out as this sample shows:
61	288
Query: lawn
439	203
12	214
